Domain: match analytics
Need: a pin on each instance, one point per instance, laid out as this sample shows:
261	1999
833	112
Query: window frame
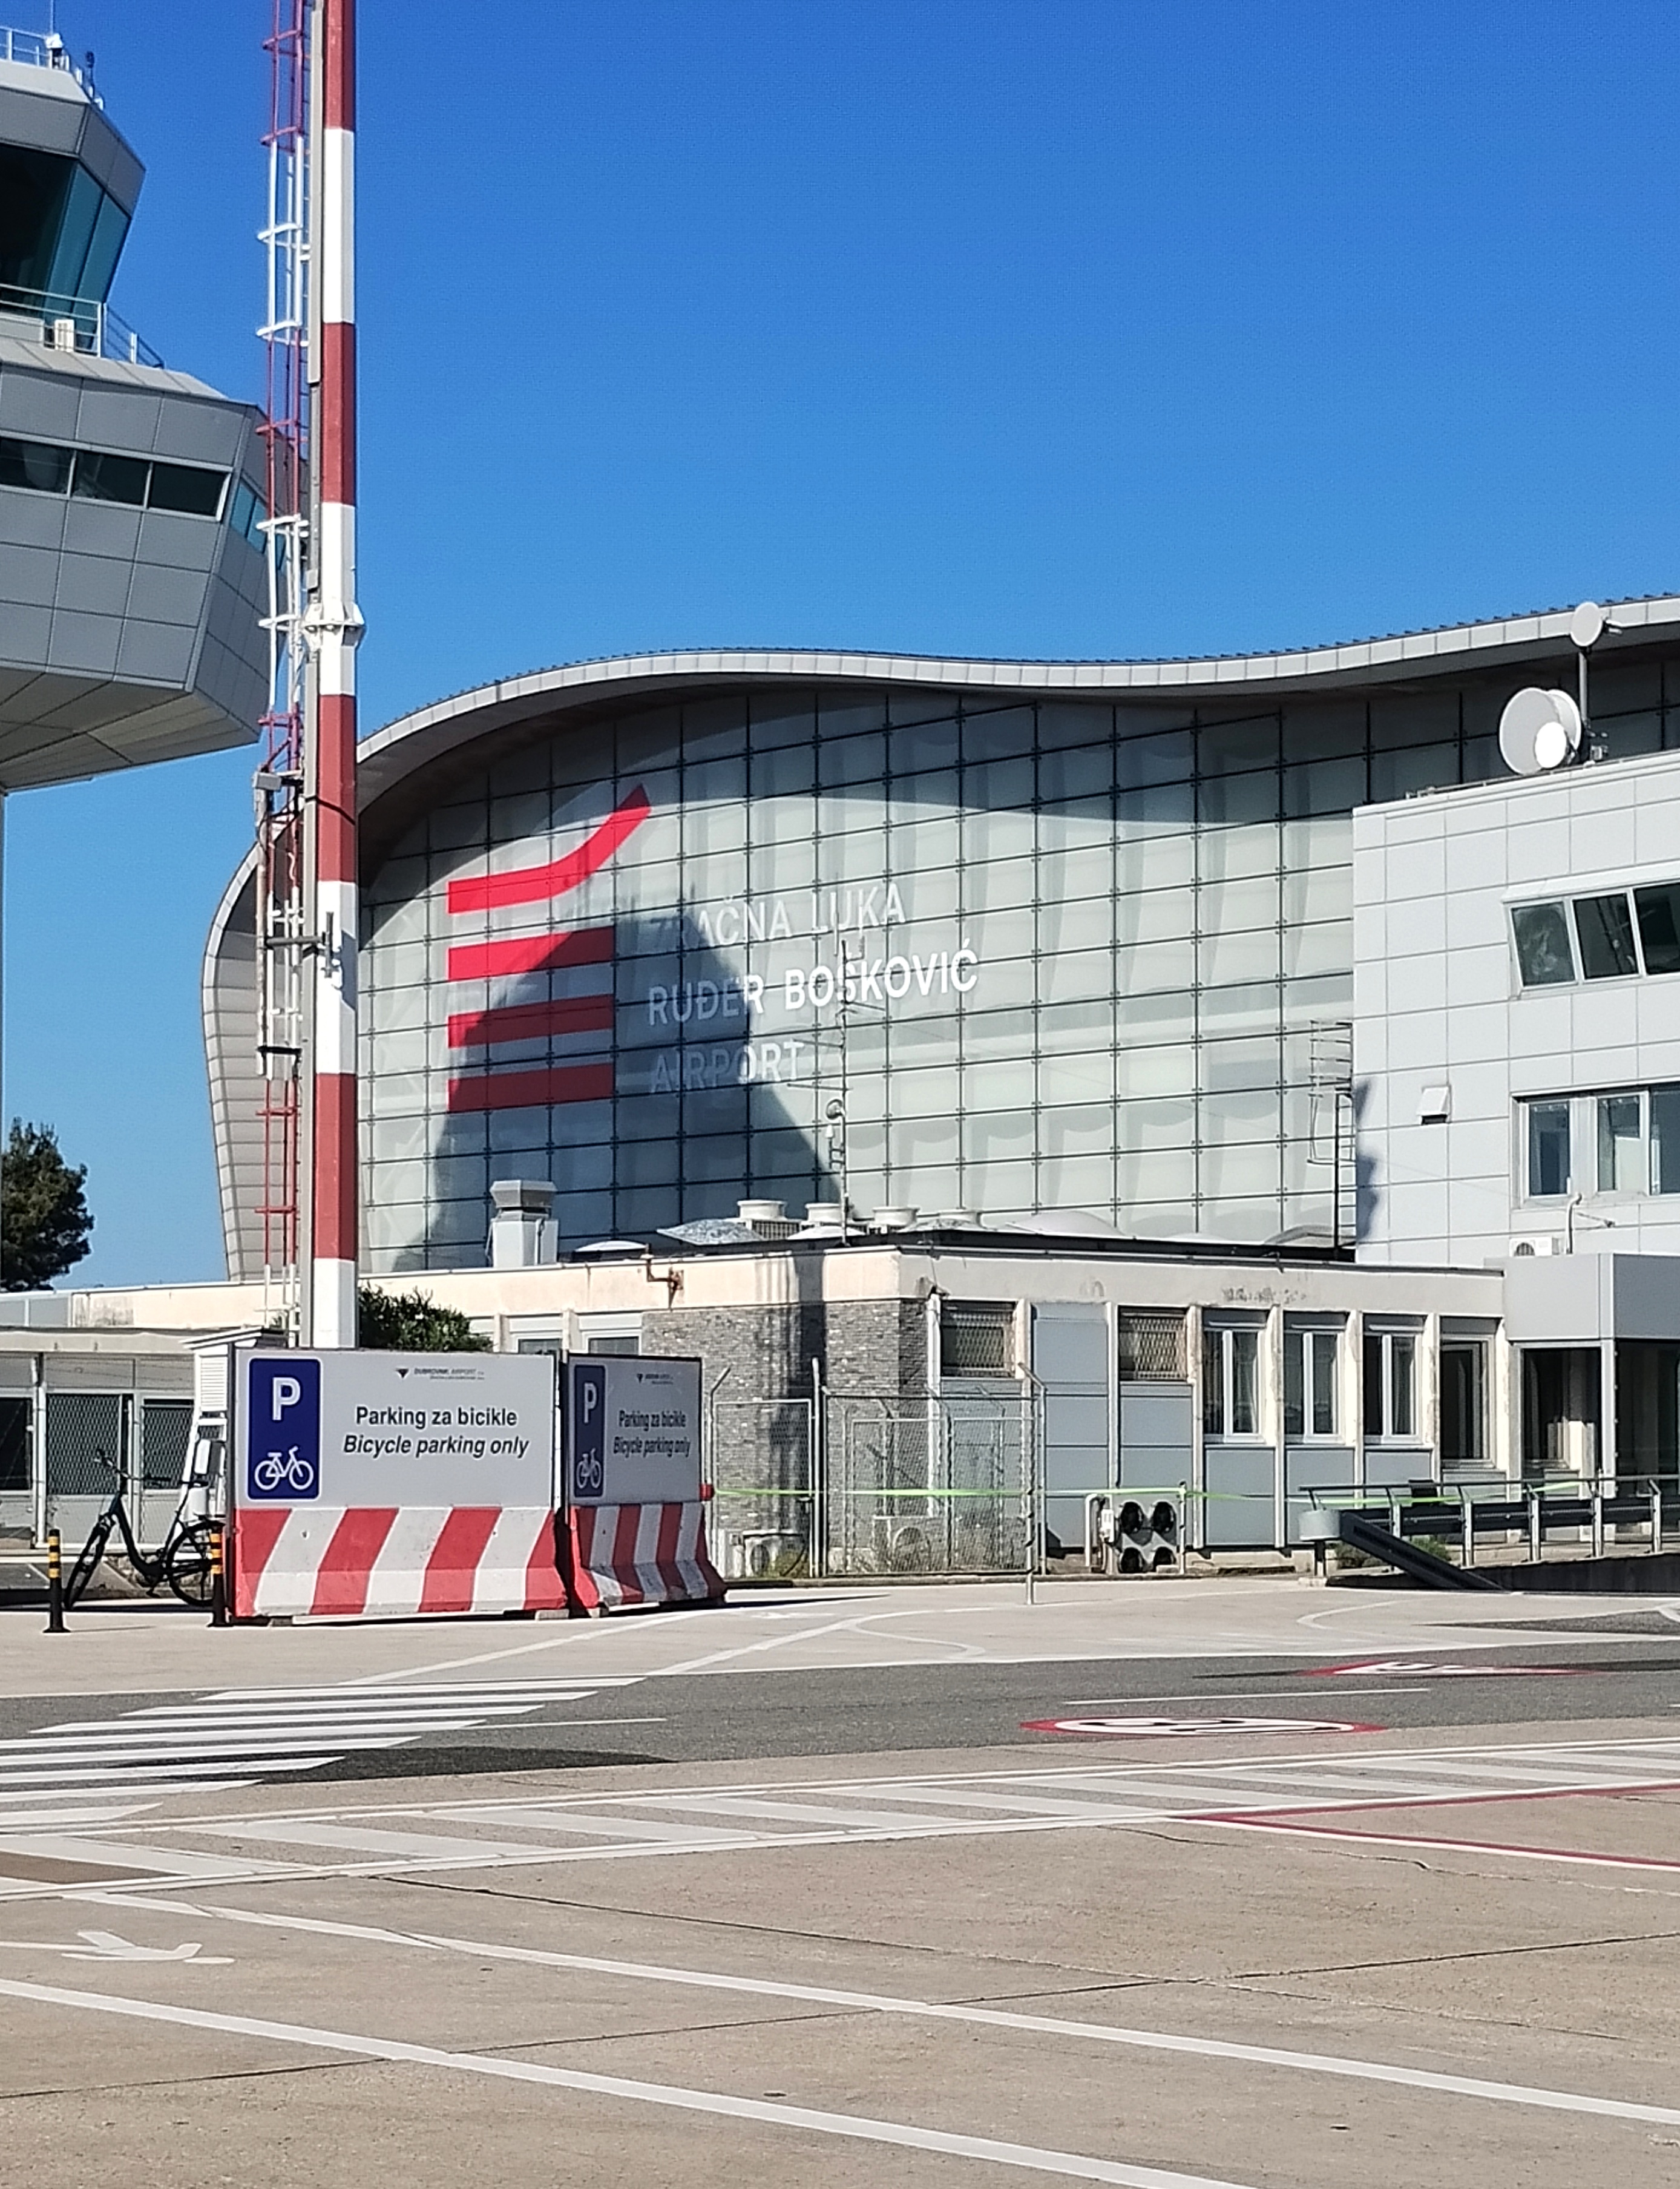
1601	1145
1306	1369
1528	1107
1638	910
1218	1394
1480	1349
1386	1430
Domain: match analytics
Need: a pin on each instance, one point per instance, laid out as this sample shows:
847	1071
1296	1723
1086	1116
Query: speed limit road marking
1155	1728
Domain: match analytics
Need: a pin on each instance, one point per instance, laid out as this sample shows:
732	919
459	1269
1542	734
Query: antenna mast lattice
280	868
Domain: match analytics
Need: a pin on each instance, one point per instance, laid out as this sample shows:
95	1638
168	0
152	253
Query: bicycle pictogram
289	1468
588	1474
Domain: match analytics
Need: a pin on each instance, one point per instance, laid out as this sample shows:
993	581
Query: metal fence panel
763	1488
80	1426
932	1486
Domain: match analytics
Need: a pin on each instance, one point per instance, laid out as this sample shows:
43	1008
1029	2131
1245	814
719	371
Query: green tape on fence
990	1496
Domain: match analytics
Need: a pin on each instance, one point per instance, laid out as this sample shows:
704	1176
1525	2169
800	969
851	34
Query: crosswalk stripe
489	1690
363	1840
236	1736
66	1846
332	1713
170	1739
798	1813
620	1828
92	1775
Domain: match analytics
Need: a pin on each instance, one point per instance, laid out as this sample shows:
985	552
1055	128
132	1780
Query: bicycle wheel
187	1567
87	1561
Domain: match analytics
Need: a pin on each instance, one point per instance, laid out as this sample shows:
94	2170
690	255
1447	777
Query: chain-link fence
762	1512
858	1485
931	1485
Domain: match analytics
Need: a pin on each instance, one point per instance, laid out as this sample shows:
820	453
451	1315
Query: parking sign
589	1429
283	1442
632	1430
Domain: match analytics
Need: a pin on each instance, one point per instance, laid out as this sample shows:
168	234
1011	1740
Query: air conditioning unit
1536	1242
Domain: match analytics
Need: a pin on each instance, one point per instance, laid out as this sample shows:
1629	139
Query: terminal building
1221	1075
1235	1054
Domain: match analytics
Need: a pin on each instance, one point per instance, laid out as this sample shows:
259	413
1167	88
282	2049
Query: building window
1659	911
1390	1383
1604	927
976	1338
99	475
1621	1150
1665	1106
1634	1148
1464	1403
1623	932
1230	1382
1152	1346
1310	1359
1542	938
1548	1151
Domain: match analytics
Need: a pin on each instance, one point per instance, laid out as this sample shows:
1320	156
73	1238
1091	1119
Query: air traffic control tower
131	572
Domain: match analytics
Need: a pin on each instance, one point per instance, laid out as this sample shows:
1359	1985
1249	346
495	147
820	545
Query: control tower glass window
60	232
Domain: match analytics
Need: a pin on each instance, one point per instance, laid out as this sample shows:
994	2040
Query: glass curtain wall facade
981	955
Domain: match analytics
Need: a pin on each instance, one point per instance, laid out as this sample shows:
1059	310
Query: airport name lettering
817	987
833	912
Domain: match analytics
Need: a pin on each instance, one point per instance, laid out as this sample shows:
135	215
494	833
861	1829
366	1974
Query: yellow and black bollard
219	1577
55	1584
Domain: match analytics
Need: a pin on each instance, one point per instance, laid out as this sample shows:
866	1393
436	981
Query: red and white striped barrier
626	1555
371	1561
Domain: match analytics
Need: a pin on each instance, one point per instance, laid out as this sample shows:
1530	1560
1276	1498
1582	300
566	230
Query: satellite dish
1539	731
1588	625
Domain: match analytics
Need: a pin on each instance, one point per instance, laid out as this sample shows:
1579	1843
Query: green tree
44	1220
413	1322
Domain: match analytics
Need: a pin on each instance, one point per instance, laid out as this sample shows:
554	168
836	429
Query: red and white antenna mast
279	912
308	916
333	624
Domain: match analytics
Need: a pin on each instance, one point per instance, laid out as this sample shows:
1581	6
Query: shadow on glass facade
1046	957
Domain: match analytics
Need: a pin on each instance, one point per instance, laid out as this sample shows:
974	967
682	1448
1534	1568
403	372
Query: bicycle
182	1559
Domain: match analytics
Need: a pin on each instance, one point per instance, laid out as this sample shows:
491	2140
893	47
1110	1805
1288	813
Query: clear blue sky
1055	327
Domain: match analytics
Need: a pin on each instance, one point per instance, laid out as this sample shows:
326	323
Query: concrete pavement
1431	1955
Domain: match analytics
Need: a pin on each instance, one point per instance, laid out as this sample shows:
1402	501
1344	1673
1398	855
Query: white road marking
903	1807
755	1648
855	2126
238	1731
422	1848
1155	2040
65	1846
624	1828
106	1946
83	1777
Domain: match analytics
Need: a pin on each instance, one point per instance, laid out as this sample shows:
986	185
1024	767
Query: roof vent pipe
769	1218
522	1230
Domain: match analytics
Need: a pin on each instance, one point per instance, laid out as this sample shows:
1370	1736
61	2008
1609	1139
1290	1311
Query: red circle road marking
1155	1728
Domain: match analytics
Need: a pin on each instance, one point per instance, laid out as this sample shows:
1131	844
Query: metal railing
81	324
1495	1506
43	49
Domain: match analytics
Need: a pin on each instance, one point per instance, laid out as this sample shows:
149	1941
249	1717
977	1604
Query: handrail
43	49
78	323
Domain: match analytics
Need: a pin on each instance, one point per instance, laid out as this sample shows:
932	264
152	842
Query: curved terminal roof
402	766
433	734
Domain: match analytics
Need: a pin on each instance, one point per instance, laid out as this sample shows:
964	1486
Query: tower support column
335	627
